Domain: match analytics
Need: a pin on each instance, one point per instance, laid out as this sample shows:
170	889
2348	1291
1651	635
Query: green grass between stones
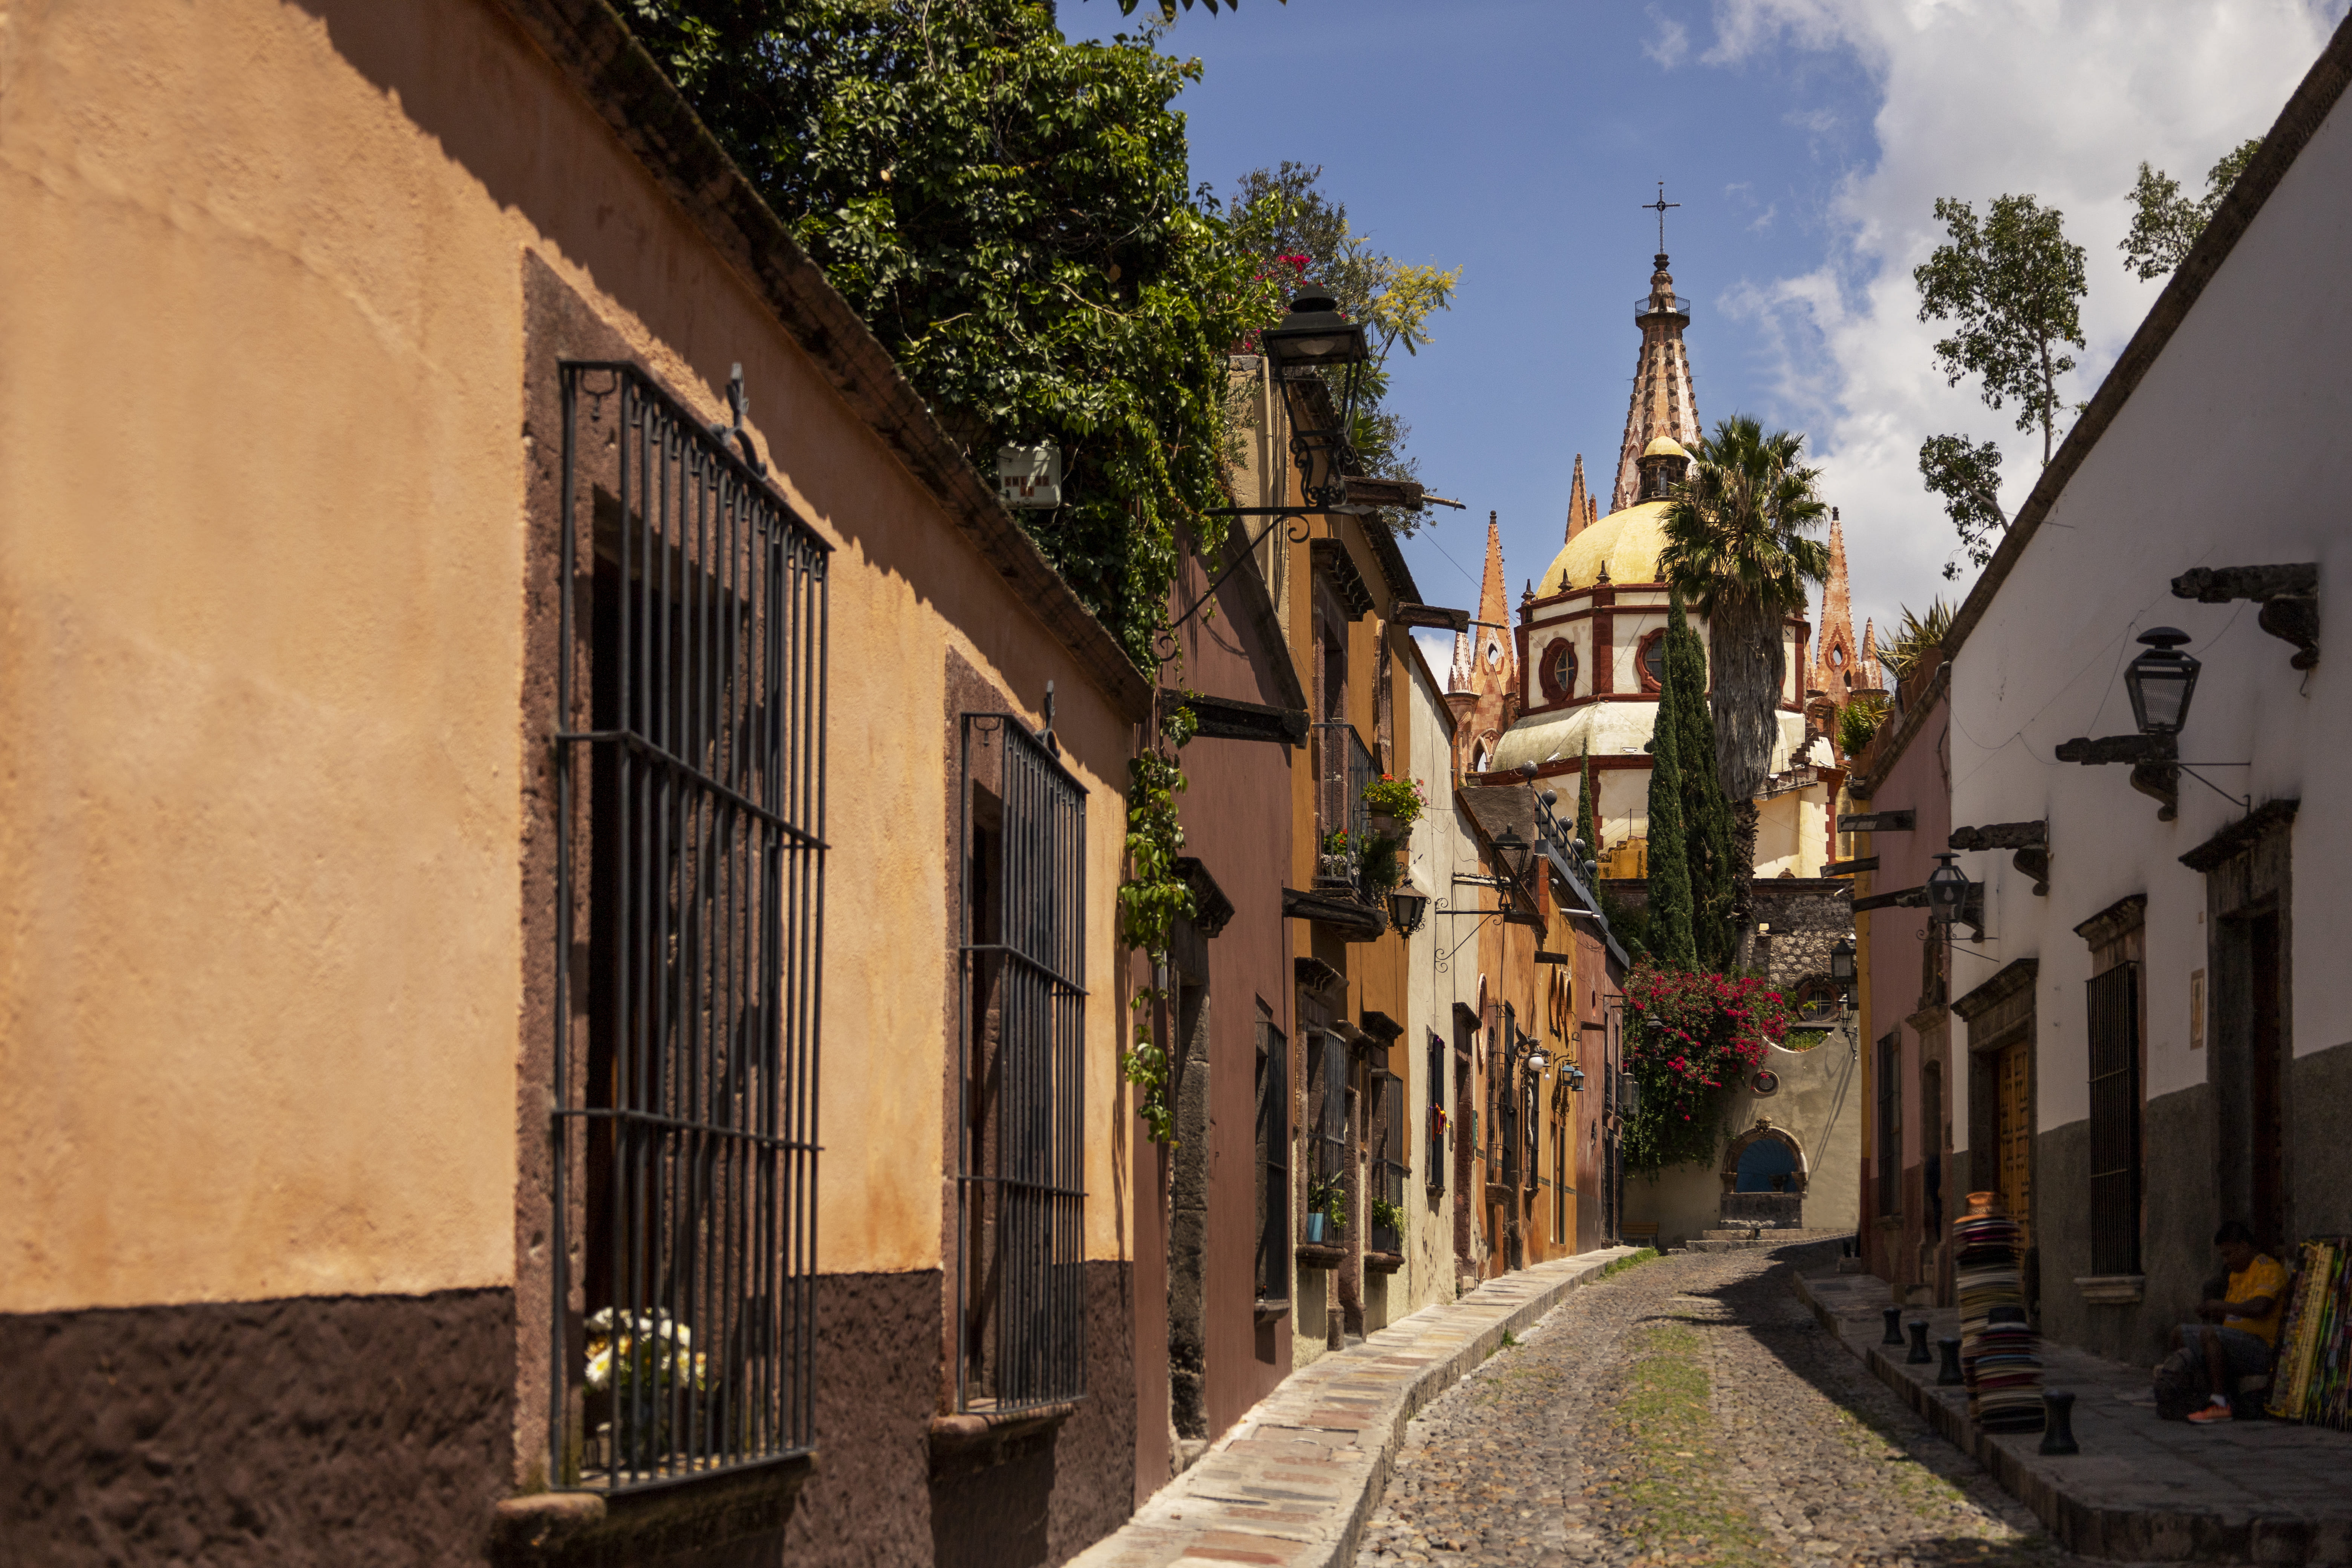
1667	1484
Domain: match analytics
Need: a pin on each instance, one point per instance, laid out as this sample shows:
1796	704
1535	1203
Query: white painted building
2163	1038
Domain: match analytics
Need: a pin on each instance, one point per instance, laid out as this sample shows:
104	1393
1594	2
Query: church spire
1662	402
1496	667
1579	504
1842	667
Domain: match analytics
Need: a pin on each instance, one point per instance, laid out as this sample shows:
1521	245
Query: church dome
1665	447
1627	543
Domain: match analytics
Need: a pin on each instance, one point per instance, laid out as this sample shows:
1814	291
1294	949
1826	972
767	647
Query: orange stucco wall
261	589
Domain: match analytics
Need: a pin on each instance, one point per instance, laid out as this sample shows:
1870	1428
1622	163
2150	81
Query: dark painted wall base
327	1430
2180	1133
880	1495
335	1431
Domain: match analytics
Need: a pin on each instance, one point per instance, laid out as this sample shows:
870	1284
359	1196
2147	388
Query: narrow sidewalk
2142	1489
1293	1481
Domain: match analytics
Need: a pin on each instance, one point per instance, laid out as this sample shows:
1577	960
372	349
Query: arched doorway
1764	1150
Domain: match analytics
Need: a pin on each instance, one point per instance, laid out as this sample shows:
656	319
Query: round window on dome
1654	660
1559	671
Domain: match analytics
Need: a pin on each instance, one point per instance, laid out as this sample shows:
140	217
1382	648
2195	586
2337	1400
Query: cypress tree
1706	816
1669	914
1588	826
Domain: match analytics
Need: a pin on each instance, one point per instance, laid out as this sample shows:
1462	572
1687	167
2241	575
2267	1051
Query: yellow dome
1664	447
1627	543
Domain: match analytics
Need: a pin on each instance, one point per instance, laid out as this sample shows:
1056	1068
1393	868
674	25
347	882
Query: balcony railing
1343	766
1666	305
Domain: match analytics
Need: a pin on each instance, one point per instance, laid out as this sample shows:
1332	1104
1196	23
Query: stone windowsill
1265	1311
698	1514
1320	1255
2112	1289
1383	1262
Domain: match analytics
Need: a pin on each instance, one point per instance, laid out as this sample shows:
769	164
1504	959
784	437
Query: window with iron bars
1326	1110
1021	1086
1274	1164
1507	1102
1389	1168
1434	1113
1560	1181
2114	1009
1343	766
689	853
1890	1124
1531	1118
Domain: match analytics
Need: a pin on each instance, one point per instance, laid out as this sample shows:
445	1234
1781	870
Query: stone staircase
1749	1238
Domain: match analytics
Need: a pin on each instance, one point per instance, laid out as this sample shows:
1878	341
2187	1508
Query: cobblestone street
1689	1410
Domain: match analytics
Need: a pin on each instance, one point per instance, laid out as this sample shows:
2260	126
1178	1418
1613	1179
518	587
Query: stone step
1755	1233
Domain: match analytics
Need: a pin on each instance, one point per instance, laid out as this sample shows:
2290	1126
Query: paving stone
1557	1452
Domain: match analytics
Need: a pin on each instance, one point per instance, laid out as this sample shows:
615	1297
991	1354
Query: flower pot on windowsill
1381	822
1315	1229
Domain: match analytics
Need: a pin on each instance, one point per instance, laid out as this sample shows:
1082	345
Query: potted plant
1326	1210
1387	1216
1395	804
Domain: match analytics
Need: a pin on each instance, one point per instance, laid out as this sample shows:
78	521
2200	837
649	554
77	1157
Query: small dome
1625	543
1665	447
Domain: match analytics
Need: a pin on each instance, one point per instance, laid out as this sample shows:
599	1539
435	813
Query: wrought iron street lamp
1407	904
1315	334
1512	851
1948	891
1842	962
2160	683
1313	337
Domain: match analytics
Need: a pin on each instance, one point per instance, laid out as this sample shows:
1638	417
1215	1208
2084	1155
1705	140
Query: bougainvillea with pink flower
1690	1038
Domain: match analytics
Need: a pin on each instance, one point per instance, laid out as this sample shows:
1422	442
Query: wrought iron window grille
1274	1156
2113	998
689	853
1021	1306
1390	1164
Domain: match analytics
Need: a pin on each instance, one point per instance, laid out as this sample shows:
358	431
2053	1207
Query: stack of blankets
2314	1379
1998	1354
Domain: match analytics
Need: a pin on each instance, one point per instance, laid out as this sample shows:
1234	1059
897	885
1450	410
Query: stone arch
1762	1131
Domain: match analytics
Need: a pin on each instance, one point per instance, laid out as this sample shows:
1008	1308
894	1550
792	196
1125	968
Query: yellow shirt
2264	1277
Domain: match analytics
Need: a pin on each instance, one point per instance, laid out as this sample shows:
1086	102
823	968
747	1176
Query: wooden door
2014	1139
2267	1107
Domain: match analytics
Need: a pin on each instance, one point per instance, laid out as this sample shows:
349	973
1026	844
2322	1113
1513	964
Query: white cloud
1979	98
1672	44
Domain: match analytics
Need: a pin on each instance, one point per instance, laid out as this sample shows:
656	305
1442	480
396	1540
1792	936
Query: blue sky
1806	141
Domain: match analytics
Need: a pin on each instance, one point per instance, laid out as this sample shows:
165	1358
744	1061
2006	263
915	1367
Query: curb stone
1293	1481
2274	1491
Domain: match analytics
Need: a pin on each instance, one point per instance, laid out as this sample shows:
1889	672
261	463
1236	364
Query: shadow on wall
992	1515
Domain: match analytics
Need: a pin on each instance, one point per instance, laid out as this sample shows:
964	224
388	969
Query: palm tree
1737	546
1917	637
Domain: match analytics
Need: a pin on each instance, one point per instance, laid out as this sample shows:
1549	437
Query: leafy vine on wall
1151	900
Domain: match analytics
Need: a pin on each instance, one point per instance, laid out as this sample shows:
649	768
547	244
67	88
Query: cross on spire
1659	206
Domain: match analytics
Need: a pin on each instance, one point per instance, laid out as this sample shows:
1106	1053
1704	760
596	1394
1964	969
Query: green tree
1672	940
1284	219
1967	474
2013	287
1918	639
1587	825
1738	547
1012	216
1166	8
2165	223
1709	833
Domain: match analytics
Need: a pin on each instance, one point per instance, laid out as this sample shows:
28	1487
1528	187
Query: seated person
2236	1334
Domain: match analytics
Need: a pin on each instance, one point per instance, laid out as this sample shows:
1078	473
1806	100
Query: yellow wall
260	607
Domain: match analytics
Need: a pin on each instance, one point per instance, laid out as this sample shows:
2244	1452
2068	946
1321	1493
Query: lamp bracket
2289	596
2134	749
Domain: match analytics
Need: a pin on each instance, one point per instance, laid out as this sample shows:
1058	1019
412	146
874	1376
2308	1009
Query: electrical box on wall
1030	476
